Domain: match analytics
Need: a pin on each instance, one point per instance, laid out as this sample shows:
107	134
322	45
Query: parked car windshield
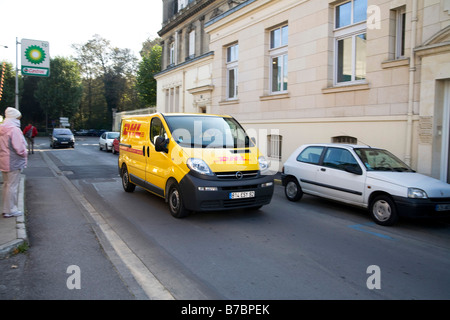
62	132
112	135
207	132
381	160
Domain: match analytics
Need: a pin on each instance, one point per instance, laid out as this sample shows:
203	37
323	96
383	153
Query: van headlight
416	193
199	166
263	163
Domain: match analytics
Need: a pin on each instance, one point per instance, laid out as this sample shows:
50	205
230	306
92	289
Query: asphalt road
312	249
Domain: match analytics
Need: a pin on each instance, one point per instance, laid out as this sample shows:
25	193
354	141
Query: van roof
175	114
193	114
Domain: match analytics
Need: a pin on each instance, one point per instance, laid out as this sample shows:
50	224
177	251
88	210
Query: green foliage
9	87
60	94
29	105
111	72
146	83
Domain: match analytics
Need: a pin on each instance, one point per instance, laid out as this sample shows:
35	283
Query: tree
29	105
60	94
146	83
9	86
148	44
113	66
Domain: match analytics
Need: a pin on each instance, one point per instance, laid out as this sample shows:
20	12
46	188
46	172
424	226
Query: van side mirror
161	144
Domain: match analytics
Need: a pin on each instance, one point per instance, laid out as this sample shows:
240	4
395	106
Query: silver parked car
366	177
106	140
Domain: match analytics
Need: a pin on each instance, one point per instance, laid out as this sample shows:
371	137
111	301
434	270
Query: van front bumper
198	196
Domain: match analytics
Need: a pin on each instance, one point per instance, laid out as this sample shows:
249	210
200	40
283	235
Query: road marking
149	283
360	227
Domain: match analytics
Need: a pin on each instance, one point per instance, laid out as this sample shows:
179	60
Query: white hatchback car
106	140
367	177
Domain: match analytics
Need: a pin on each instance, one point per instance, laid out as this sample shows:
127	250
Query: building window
182	4
192	44
172	53
279	59
350	13
274	143
172	103
400	22
344	139
232	71
350	41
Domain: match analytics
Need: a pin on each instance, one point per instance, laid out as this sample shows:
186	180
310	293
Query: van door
158	163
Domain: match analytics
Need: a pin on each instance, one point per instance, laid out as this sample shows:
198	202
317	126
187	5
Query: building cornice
184	15
187	62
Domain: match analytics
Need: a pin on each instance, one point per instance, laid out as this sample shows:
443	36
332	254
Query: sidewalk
13	232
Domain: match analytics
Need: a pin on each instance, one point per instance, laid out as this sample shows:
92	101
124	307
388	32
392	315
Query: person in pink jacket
13	158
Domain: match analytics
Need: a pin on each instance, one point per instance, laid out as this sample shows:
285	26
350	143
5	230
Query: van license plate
242	195
443	207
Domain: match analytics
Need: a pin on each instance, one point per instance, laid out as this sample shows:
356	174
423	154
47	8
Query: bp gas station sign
35	58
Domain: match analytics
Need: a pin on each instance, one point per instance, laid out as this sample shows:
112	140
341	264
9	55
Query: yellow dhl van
197	162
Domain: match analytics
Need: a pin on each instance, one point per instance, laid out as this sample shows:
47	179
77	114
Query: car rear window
310	155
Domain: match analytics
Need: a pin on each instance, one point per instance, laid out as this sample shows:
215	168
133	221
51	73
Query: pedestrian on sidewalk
13	158
30	132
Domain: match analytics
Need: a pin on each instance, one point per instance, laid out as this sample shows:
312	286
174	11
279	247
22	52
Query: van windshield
207	132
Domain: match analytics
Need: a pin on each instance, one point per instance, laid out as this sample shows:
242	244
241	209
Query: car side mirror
354	169
161	144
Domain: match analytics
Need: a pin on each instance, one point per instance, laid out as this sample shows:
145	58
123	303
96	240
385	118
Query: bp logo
35	58
35	54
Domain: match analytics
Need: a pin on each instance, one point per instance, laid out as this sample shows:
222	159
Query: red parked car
115	146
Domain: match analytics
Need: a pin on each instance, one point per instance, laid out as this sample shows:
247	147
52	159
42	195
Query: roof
345	145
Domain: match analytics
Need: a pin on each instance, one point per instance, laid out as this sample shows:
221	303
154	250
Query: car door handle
323	169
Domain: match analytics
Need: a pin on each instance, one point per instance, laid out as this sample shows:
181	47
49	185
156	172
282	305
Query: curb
11	247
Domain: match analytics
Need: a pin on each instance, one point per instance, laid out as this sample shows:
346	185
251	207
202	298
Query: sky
126	24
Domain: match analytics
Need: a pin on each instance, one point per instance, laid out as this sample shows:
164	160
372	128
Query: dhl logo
132	129
233	159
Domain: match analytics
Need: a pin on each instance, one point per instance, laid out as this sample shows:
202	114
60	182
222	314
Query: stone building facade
373	72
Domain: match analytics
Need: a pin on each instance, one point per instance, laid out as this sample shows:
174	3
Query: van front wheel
176	204
126	184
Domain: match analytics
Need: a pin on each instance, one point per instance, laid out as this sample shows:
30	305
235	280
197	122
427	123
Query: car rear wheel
383	210
176	203
127	185
292	190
